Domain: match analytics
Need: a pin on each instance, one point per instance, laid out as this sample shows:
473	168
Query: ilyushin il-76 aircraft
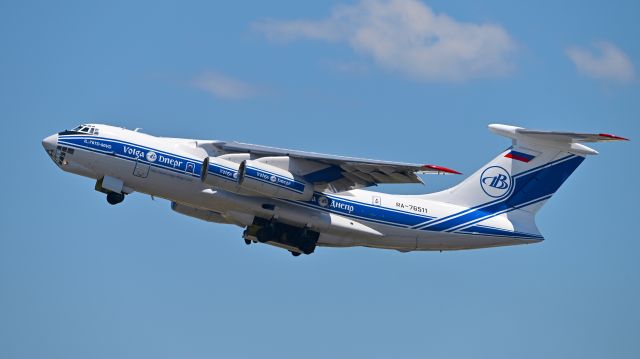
300	200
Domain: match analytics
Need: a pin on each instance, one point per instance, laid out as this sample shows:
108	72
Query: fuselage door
141	169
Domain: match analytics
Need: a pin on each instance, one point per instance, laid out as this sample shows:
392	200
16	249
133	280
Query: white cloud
223	86
607	62
408	37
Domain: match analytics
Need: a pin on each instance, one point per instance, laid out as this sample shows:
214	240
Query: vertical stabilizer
520	179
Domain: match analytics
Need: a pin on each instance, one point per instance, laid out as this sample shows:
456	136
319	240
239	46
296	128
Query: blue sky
405	80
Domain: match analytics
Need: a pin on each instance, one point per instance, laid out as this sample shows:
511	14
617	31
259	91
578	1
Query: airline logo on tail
495	181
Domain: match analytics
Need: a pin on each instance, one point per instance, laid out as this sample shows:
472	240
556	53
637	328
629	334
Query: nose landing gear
113	191
114	198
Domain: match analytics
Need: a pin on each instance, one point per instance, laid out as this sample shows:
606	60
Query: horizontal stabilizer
569	141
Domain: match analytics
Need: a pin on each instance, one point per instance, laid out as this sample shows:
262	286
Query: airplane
299	200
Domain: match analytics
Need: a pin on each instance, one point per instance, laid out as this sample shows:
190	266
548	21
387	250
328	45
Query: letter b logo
495	181
499	182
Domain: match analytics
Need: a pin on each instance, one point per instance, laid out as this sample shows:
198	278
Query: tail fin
523	177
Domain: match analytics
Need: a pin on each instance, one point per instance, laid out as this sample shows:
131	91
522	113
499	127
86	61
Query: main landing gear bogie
294	239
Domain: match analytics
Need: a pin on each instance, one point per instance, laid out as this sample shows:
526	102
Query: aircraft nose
50	143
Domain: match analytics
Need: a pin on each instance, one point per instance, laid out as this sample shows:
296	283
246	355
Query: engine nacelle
273	181
220	173
254	177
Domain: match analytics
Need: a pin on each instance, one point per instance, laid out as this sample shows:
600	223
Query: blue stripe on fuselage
477	229
136	153
362	210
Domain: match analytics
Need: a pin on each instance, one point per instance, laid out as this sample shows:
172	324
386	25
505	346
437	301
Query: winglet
442	169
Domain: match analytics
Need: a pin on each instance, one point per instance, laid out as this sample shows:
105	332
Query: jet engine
255	177
220	173
273	181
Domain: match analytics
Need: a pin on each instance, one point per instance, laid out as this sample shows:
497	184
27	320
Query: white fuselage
170	168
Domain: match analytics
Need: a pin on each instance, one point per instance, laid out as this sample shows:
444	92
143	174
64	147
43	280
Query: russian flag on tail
519	156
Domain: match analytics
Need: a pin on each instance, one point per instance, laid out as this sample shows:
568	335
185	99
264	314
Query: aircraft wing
342	173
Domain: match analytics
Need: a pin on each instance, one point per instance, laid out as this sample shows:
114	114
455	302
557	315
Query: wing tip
612	137
442	169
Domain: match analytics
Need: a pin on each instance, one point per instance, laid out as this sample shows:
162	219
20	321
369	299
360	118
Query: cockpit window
90	129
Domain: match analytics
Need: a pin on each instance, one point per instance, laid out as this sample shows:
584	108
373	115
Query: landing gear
115	198
247	241
294	239
266	233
